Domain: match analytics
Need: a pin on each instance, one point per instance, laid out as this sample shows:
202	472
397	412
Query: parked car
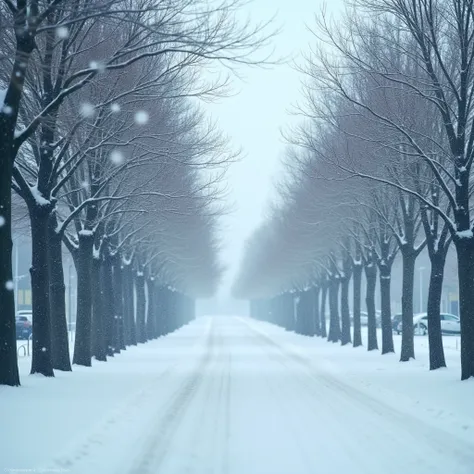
396	320
364	318
450	324
23	324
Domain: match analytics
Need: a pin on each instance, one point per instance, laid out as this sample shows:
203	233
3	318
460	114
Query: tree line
105	149
378	167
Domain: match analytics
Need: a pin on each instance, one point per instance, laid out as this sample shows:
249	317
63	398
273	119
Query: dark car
396	320
23	327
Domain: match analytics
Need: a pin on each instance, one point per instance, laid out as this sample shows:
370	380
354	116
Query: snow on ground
233	396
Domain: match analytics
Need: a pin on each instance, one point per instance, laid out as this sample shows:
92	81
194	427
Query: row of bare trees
379	166
103	143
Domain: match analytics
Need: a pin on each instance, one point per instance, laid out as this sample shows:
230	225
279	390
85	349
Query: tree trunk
357	291
25	43
289	313
317	322
322	313
162	311
57	299
408	343
108	299
151	312
435	290
371	277
118	304
334	325
99	346
386	317
141	307
465	257
345	314
8	354
129	308
82	346
309	304
42	360
126	309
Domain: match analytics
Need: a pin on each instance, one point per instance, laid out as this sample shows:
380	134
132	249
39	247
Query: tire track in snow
84	455
341	394
201	442
221	414
319	410
171	416
281	396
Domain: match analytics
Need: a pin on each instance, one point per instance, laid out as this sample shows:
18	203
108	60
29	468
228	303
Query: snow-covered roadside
236	395
437	397
46	416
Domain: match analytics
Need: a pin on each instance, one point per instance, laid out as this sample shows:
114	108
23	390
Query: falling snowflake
85	185
116	157
9	285
115	108
43	349
99	66
7	110
18	74
2	221
141	117
62	32
87	110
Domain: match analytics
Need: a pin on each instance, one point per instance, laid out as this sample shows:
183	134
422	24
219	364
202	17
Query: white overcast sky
254	117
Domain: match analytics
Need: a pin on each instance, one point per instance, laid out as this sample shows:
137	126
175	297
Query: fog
254	117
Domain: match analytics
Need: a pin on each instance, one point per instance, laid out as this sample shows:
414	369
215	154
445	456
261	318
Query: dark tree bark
387	331
299	305
42	360
408	343
385	258
322	313
151	310
108	298
345	313
316	308
435	336
125	316
162	311
118	304
8	354
305	321
334	325
309	302
141	306
357	291
465	257
99	345
371	277
129	308
126	320
82	346
25	44
438	242
289	312
57	298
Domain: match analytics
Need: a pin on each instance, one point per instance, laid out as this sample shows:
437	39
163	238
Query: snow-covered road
238	398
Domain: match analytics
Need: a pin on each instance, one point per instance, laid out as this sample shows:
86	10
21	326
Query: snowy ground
236	396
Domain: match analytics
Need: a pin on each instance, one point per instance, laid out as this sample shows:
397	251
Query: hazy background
253	118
